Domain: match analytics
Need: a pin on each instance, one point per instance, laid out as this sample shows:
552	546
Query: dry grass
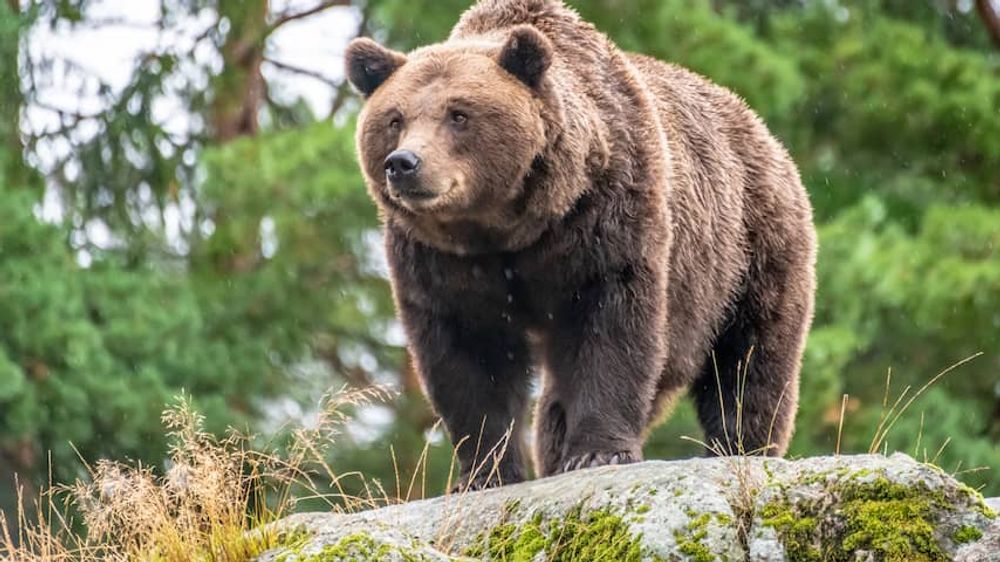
890	416
200	509
743	495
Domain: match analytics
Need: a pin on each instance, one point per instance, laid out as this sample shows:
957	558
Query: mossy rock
867	508
700	510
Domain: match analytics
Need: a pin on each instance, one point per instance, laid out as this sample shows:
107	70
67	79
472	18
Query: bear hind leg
747	393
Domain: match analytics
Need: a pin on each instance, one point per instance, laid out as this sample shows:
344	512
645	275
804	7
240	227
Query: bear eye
396	124
459	118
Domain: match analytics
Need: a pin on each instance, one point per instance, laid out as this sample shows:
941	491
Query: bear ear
527	54
369	64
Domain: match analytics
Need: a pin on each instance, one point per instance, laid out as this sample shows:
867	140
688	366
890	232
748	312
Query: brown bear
621	226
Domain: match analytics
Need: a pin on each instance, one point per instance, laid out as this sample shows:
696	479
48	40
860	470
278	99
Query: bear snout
402	170
401	166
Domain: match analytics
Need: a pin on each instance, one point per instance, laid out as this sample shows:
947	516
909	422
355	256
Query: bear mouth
416	195
418	199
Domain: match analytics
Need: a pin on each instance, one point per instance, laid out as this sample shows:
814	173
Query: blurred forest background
225	246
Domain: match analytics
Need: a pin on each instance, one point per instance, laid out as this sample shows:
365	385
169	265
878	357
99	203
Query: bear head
452	136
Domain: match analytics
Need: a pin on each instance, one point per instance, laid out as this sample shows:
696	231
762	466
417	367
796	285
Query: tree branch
303	71
990	17
289	17
342	88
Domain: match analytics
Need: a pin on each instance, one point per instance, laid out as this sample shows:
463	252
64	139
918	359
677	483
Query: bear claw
593	460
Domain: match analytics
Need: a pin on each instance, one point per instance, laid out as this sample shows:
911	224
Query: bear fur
619	226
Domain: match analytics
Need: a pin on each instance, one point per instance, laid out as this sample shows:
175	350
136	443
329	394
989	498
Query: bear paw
593	460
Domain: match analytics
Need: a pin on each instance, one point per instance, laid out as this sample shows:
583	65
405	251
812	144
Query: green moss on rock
291	541
894	522
797	531
353	548
575	537
967	534
695	551
690	543
979	503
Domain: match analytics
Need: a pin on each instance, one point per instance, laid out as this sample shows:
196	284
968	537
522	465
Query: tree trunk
991	19
237	94
239	89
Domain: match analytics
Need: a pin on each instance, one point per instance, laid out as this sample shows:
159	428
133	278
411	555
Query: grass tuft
211	502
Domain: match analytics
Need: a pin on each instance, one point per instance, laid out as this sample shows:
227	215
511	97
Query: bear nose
401	164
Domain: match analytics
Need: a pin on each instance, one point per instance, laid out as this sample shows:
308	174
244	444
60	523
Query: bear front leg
476	373
605	354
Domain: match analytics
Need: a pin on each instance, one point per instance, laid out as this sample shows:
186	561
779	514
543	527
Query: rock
987	549
736	508
863	508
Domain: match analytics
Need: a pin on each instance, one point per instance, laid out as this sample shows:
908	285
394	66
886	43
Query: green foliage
930	300
895	131
319	280
690	33
11	165
276	289
888	98
90	356
401	27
